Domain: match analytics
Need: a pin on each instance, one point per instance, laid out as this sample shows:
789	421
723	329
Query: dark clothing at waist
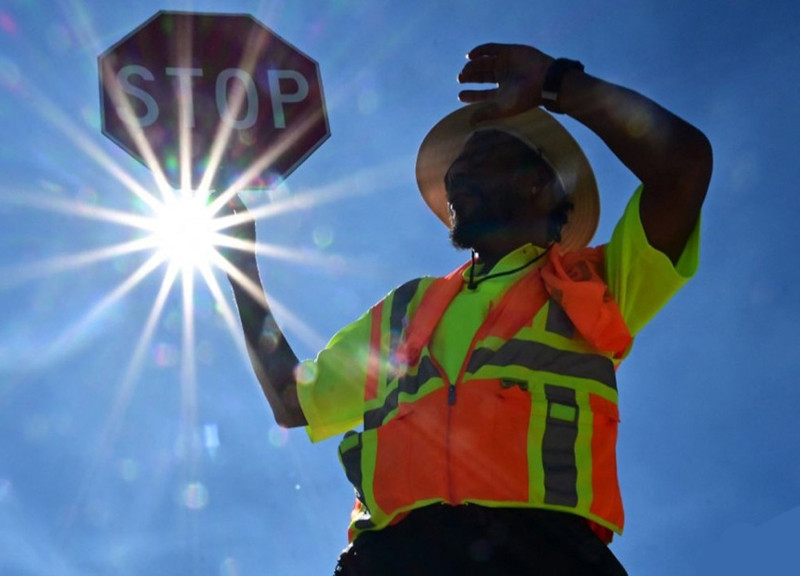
444	540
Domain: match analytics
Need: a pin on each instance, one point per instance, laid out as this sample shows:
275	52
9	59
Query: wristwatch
553	79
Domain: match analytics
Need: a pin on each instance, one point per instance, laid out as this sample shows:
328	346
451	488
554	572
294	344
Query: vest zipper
451	399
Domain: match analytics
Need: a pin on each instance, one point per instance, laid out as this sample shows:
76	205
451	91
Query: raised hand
239	247
518	72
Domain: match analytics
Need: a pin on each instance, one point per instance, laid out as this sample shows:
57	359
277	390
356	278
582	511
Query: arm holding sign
272	358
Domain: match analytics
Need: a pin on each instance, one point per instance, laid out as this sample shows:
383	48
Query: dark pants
442	540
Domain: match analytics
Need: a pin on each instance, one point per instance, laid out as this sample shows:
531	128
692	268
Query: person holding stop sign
479	410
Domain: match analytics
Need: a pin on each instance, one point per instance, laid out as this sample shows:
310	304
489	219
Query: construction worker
479	410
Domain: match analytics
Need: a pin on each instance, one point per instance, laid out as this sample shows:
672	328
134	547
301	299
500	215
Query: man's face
489	187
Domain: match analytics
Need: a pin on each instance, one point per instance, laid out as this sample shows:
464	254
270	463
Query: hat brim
445	141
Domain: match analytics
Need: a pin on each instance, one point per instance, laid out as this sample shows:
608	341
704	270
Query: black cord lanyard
473	284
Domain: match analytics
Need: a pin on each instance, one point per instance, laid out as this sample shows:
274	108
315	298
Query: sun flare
184	232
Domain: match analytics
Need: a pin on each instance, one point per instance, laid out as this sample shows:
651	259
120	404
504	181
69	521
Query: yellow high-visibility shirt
639	277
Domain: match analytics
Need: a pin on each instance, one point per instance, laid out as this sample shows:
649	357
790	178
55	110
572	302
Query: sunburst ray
16	275
307	335
74	331
116	416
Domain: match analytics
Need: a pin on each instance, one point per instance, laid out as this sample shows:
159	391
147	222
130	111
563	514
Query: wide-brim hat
541	131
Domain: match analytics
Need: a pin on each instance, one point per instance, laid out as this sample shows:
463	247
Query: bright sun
184	231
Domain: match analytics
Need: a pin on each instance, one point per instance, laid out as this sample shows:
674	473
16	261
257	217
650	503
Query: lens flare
7	23
184	231
195	496
278	436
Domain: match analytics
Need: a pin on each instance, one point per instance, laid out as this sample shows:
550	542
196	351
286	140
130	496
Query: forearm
272	358
668	155
650	140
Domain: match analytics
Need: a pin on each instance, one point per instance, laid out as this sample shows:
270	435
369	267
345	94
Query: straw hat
541	131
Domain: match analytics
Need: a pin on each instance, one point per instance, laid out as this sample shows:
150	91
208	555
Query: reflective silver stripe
350	457
558	447
558	322
398	318
408	384
539	356
364	523
399	313
401	298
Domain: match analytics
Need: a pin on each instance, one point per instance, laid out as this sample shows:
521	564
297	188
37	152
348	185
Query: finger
480	70
488	49
477	77
235	207
472	96
236	204
481	62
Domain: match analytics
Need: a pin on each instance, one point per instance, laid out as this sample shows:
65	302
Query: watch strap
553	79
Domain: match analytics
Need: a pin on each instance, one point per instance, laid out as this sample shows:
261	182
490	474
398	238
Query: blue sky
121	454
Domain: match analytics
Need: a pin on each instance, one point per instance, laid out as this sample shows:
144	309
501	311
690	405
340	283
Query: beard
470	235
474	225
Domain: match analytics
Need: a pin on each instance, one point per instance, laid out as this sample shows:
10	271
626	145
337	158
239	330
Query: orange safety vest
527	423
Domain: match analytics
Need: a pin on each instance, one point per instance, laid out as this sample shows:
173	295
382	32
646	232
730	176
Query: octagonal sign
185	92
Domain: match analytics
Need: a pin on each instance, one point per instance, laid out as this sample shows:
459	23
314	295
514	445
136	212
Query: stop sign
187	91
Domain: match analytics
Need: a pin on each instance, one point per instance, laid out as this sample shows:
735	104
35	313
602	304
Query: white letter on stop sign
185	89
278	98
222	98
126	113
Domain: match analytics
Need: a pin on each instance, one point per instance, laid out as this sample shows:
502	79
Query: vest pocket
488	453
607	500
410	455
